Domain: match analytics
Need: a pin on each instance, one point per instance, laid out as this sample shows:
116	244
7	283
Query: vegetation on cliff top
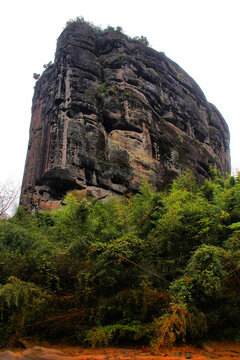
154	268
98	30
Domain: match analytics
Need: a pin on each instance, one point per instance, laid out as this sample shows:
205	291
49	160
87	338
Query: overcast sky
202	36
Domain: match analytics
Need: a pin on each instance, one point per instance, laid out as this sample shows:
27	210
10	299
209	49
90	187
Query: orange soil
210	350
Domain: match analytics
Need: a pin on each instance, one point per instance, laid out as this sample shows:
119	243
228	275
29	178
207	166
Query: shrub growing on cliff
98	30
142	39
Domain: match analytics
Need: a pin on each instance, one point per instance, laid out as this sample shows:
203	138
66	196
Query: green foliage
178	324
142	39
204	276
18	301
72	220
210	284
187	222
15	238
155	267
115	334
99	31
19	294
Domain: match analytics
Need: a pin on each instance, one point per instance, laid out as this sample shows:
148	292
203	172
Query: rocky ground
209	350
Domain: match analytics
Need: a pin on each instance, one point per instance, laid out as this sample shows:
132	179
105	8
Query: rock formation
111	111
37	353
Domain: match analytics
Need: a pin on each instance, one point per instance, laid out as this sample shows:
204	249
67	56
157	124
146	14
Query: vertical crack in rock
64	143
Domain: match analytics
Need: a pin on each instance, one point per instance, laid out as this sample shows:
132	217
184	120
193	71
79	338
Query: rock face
36	353
111	111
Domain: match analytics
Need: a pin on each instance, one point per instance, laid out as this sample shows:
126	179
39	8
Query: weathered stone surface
7	355
111	111
36	353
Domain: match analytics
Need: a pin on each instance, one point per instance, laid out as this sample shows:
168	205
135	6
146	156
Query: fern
19	299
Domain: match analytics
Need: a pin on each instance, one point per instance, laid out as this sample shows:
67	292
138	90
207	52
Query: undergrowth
156	268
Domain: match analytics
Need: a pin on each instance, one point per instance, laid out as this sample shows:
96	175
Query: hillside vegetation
152	268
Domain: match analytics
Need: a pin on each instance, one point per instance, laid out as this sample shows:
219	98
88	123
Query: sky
202	36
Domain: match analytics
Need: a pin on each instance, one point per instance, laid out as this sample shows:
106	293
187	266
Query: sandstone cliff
110	111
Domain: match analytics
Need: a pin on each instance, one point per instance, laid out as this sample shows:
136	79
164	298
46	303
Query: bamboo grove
155	268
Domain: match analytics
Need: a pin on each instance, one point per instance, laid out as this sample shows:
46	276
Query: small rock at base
7	355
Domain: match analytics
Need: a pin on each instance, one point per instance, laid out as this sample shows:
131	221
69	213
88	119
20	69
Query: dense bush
153	268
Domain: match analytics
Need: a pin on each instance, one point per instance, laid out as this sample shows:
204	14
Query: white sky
202	36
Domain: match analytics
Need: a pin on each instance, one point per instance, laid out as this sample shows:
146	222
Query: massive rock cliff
111	111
